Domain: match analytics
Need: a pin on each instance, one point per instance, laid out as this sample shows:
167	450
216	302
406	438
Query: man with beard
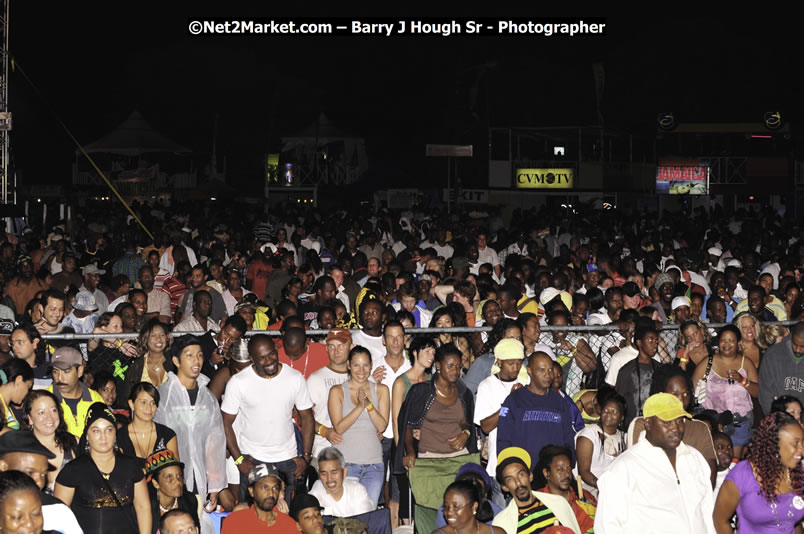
528	511
264	485
370	333
268	435
556	467
660	481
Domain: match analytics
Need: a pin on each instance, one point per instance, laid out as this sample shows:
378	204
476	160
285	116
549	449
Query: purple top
754	513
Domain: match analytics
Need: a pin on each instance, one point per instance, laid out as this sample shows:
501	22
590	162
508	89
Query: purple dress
754	514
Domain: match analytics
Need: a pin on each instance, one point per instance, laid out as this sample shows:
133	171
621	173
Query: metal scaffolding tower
5	114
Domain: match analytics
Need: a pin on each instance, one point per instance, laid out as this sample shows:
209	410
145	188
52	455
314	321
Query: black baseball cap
23	441
301	502
631	289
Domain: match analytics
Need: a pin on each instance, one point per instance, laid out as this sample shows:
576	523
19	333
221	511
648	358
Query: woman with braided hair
767	488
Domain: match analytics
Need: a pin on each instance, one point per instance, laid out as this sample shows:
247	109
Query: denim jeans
371	476
286	467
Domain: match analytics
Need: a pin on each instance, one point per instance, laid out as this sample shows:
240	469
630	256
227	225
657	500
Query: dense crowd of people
268	375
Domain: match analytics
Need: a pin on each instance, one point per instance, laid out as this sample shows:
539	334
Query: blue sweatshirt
532	421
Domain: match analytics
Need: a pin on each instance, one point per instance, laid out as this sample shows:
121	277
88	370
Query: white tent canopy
134	137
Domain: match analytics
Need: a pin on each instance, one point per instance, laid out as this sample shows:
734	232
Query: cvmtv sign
544	178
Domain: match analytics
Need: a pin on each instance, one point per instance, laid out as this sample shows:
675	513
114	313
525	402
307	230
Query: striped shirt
535	518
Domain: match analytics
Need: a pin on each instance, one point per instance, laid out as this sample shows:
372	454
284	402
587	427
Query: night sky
96	65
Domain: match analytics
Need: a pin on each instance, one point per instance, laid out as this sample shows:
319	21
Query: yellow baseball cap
665	406
514	452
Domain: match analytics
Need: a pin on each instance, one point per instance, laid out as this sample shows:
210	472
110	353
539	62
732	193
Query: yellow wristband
369	407
240	460
683	360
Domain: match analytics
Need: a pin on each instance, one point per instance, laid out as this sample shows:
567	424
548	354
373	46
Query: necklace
157	365
306	360
789	521
439	391
162	509
137	439
107	475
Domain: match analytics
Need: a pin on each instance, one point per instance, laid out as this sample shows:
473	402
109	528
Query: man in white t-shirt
385	371
370	334
264	395
487	254
341	496
491	392
338	343
441	247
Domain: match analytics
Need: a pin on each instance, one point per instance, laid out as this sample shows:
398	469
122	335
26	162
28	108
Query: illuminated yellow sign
545	178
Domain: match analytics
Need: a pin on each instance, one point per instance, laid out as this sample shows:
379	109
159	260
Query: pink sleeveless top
722	396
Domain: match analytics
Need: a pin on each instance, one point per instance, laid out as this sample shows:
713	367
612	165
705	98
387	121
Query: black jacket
415	407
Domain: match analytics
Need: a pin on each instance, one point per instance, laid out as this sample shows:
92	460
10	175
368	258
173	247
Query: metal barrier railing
594	329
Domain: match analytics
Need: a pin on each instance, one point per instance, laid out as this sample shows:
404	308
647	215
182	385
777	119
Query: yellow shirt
147	378
75	423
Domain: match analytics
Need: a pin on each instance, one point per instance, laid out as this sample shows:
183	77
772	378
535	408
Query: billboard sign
682	180
544	178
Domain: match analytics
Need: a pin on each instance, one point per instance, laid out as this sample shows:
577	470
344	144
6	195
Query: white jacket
640	493
509	516
199	430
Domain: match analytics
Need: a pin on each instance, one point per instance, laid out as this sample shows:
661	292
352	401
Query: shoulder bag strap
114	495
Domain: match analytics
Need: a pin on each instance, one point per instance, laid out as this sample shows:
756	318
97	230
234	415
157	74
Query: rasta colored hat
514	453
511	455
159	460
665	406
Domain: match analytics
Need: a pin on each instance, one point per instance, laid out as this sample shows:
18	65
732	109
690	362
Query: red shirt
176	291
311	361
585	521
247	521
258	273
